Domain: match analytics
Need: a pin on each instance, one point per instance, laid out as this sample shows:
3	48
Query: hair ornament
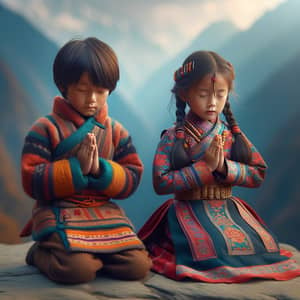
184	69
213	78
235	129
179	133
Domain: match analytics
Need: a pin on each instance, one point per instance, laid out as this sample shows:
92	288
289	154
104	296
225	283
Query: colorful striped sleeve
119	177
247	175
44	179
166	180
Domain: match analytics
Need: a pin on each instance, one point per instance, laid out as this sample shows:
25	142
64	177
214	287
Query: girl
205	233
74	161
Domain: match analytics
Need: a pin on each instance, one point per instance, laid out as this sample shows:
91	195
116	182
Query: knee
139	265
78	270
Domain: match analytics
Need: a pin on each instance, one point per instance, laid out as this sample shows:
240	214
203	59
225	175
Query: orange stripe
118	179
62	180
94	232
137	242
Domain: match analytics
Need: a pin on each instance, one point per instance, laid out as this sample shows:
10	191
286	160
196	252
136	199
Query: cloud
174	23
65	21
97	15
248	11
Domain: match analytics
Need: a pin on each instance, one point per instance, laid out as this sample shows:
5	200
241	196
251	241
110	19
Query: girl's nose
212	100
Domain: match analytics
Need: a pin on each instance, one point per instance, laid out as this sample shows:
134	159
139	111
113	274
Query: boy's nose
92	98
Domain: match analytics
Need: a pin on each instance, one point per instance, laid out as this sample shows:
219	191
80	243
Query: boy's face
85	97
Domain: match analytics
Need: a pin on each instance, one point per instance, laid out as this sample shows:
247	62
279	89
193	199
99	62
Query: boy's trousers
59	265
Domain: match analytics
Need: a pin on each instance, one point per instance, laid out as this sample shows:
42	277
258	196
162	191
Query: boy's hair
89	55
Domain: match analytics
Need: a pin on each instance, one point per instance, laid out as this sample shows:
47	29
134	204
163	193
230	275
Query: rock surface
21	282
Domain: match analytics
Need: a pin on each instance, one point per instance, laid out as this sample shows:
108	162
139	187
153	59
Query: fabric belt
206	192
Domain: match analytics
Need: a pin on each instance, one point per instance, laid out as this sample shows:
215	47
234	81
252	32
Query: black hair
89	55
194	68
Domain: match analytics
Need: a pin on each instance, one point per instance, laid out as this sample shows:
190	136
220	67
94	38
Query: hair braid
179	157
240	150
180	112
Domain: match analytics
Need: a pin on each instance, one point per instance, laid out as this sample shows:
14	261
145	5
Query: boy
74	161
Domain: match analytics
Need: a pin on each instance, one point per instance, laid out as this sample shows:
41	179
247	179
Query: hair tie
179	133
235	129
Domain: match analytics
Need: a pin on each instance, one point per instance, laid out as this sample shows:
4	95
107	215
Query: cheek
101	100
221	105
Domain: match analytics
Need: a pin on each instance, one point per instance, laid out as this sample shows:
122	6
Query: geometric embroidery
237	240
200	243
103	240
230	274
267	239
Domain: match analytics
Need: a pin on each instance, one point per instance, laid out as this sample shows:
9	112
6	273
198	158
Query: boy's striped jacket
77	206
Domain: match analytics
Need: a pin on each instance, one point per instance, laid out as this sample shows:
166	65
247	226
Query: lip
210	111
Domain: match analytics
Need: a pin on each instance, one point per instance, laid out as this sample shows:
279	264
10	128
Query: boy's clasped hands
88	155
214	155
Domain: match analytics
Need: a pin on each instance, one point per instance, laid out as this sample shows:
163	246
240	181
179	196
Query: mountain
62	20
278	200
270	118
16	116
21	45
262	49
273	104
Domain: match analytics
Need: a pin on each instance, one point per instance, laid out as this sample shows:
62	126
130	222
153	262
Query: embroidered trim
200	243
267	239
281	271
237	240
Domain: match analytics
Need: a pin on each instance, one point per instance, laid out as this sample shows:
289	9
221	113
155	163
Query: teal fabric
184	255
106	173
80	181
76	138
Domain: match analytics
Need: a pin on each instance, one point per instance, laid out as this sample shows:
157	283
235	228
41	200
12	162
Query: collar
202	126
62	108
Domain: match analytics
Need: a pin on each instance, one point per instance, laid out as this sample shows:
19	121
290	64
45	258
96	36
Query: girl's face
207	97
85	97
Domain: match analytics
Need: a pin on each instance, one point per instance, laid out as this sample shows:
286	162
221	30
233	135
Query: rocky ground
22	282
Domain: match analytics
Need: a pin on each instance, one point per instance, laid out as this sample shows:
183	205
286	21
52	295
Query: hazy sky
144	33
171	24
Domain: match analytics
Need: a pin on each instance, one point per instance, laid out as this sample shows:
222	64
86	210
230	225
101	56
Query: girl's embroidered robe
210	239
74	205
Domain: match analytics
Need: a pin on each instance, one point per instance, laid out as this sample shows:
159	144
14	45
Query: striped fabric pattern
74	205
250	175
197	174
46	177
168	181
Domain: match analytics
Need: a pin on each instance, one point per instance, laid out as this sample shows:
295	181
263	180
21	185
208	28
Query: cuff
235	172
220	177
105	177
204	174
80	181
